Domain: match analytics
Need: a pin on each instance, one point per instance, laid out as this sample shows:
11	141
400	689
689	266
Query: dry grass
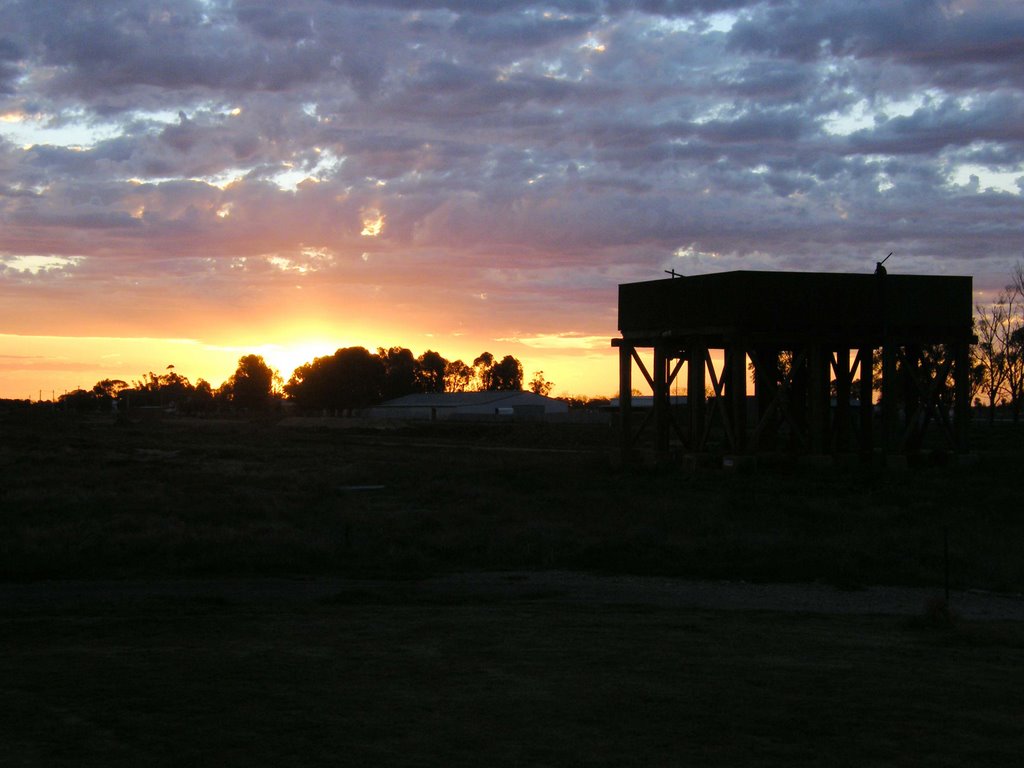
94	499
364	682
378	678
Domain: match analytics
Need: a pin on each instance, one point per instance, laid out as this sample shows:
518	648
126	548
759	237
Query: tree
541	386
399	372
359	378
165	389
581	402
146	391
252	383
990	351
202	396
109	389
482	371
1015	371
78	400
173	388
507	375
430	372
309	385
458	377
350	378
999	353
1015	344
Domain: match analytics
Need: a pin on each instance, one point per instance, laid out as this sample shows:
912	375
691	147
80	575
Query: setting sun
447	177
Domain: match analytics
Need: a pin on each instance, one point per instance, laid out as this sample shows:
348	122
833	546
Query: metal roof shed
435	406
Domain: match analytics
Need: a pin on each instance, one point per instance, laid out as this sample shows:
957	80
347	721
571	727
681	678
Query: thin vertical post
661	416
817	397
798	375
695	398
867	399
767	390
843	384
890	398
962	396
764	387
626	396
736	392
914	369
945	560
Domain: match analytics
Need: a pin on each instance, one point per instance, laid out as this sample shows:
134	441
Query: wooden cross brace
929	406
780	386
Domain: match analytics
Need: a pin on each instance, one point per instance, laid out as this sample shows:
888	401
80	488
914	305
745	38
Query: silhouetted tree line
998	357
351	378
354	377
253	386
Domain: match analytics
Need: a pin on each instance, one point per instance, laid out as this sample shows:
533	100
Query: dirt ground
503	669
568	587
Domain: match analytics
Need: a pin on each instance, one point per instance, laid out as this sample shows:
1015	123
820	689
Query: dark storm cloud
10	55
225	64
782	81
659	7
271	21
943	40
100	47
450	93
950	123
508	31
766	126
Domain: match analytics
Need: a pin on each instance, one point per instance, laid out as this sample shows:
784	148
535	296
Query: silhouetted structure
810	339
489	404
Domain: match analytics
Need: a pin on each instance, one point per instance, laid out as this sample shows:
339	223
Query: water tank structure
805	362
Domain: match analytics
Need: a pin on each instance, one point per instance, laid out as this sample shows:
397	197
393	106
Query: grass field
85	498
377	677
344	681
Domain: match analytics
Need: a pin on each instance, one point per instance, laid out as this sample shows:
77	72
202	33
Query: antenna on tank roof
879	268
673	273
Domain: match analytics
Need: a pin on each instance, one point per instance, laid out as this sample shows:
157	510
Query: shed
439	406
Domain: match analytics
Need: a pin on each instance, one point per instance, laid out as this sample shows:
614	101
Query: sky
186	182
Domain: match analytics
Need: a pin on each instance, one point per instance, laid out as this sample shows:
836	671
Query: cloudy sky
187	181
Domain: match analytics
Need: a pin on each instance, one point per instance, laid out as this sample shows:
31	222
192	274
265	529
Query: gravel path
734	596
554	586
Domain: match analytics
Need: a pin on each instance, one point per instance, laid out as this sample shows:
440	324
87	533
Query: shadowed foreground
94	499
126	659
386	675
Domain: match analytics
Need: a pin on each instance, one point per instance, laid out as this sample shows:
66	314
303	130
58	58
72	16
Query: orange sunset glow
511	382
188	184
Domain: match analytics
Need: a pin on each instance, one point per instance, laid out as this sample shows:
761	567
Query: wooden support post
867	399
695	399
914	372
736	393
661	402
890	398
798	405
817	398
626	397
962	395
841	429
766	392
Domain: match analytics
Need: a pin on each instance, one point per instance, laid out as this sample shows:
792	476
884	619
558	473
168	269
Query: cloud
947	43
221	162
567	341
996	120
